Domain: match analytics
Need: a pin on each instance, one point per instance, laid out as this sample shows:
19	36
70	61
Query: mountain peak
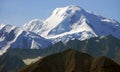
73	22
74	7
33	25
34	21
66	11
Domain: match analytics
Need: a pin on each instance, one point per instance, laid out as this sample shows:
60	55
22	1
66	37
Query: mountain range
66	27
108	46
64	24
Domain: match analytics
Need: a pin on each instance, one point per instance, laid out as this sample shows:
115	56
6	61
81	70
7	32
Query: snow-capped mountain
64	24
73	22
14	37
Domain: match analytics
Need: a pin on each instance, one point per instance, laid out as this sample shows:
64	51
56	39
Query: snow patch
29	61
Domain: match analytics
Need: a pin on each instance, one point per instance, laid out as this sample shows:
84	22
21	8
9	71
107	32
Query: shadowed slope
9	63
72	61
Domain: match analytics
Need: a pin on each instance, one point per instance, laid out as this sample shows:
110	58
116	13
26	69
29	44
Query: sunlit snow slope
14	37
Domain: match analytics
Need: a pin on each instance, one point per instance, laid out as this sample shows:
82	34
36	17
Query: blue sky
18	12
